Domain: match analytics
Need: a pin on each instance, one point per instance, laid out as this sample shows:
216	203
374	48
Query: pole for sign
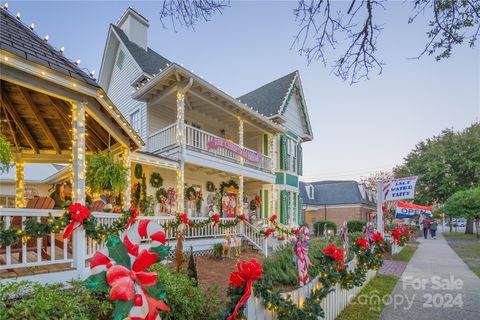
379	207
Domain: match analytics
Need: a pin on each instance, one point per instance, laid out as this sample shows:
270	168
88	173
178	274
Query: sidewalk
437	285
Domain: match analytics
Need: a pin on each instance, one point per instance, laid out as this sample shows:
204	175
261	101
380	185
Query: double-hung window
135	121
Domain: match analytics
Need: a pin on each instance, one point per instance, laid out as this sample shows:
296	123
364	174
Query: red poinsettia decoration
273	218
247	273
185	220
78	213
377	237
216	219
336	254
363	242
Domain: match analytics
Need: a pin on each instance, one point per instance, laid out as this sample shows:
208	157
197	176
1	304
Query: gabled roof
269	98
335	193
19	40
149	61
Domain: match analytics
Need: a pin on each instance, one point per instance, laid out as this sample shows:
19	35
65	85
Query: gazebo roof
38	87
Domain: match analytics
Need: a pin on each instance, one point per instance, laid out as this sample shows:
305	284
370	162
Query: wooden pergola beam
12	132
18	122
36	112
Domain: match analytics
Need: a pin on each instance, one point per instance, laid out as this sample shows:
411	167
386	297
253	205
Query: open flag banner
410	210
399	189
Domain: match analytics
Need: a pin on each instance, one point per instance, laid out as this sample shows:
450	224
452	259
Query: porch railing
163	139
33	252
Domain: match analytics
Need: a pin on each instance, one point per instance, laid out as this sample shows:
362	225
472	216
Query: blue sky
358	129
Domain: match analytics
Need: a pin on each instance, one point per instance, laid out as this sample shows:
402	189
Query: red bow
184	219
244	218
268	232
216	218
247	273
134	216
122	280
362	242
78	213
273	218
334	253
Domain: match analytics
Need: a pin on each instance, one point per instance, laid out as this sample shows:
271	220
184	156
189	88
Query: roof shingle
334	193
268	99
149	61
19	40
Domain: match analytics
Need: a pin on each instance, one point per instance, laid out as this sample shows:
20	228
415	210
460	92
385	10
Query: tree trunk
450	224
478	227
469	227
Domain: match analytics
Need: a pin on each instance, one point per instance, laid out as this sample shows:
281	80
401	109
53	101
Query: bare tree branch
188	12
320	29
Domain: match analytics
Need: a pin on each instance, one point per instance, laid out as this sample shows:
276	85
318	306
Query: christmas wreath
229	184
156	180
138	171
210	186
161	195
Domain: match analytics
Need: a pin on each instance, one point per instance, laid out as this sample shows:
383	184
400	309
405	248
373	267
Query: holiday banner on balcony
410	210
399	189
247	154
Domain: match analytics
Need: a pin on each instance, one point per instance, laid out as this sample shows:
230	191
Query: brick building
336	201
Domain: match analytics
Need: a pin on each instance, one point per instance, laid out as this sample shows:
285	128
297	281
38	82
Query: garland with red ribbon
247	273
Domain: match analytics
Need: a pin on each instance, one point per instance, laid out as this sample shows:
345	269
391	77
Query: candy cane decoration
140	230
127	279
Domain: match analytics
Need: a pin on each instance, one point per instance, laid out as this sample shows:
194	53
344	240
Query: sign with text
410	210
247	154
399	189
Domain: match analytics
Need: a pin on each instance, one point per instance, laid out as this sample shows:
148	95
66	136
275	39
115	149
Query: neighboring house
196	134
336	201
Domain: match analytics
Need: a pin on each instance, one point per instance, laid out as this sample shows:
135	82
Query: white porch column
181	140
240	136
78	187
127	164
272	148
19	184
78	151
240	195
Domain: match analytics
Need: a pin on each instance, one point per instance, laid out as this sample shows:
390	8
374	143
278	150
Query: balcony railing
163	139
196	139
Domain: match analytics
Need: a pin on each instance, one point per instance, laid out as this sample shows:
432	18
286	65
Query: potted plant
104	172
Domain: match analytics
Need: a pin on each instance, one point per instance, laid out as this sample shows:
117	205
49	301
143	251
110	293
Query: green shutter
283	152
265	144
299	208
265	204
283	202
299	159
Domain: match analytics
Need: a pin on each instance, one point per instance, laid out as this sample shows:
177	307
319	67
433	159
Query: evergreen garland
229	184
142	204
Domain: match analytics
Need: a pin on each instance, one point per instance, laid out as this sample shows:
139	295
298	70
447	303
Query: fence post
265	247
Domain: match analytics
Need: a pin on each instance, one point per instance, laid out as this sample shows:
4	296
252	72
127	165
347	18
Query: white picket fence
333	304
395	247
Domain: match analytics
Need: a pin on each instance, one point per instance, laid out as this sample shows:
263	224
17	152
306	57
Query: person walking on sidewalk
426	227
433	228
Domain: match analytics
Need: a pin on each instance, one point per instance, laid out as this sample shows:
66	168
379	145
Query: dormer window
310	191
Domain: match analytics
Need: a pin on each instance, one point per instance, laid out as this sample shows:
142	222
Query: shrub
279	268
217	251
353	237
184	299
356	225
29	300
319	226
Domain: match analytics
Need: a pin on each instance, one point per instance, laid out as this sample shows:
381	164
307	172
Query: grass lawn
470	254
406	254
459	236
363	307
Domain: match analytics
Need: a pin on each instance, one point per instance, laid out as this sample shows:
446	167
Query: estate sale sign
410	210
399	189
247	154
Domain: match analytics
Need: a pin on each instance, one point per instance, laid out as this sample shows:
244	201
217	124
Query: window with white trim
291	155
135	121
310	191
